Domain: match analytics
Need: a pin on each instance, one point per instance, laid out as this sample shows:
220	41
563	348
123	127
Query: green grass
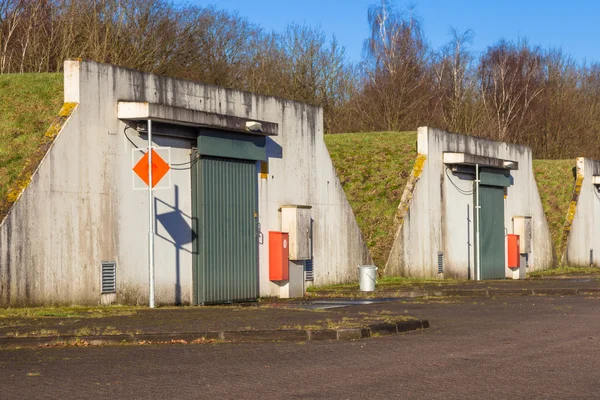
28	105
373	169
555	181
565	271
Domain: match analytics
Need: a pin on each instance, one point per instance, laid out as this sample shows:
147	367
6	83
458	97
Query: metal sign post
150	217
477	233
151	168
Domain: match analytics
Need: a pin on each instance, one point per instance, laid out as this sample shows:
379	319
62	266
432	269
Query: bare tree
314	69
510	80
455	85
10	18
396	80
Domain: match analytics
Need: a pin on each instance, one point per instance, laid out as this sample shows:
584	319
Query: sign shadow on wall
175	230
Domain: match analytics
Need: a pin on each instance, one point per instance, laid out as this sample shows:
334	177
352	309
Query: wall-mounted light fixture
253	126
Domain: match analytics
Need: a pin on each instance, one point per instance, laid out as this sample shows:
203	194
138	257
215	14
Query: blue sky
574	25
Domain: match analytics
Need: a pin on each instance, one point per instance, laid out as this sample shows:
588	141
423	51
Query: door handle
259	235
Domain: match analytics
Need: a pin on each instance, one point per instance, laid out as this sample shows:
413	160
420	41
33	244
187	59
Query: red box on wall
514	259
279	251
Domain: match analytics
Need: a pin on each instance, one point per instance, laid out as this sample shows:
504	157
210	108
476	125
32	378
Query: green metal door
491	213
225	211
227	263
492	182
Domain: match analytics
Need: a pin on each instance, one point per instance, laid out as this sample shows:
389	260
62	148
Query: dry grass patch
67	312
564	270
384	283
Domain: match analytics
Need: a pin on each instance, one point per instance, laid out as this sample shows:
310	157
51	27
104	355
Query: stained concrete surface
522	347
439	218
583	242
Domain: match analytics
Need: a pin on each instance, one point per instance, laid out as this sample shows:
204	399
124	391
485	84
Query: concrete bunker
228	177
582	230
490	179
438	230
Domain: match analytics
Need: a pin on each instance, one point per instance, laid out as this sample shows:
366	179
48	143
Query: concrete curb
274	335
461	293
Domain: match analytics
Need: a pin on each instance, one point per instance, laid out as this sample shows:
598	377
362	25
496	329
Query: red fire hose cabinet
513	251
279	250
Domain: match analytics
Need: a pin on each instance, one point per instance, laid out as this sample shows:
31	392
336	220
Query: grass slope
555	181
373	169
28	105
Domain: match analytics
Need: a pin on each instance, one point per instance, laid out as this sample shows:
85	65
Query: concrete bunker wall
583	240
439	217
80	209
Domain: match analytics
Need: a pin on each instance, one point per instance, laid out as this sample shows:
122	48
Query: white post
150	218
477	235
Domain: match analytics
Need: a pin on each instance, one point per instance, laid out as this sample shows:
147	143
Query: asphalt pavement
504	347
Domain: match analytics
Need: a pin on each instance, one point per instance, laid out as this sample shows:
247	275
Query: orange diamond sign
159	168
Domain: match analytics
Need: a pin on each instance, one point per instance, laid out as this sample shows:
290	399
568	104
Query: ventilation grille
309	276
109	277
440	263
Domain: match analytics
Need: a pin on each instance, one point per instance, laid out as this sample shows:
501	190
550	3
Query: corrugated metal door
226	265
492	231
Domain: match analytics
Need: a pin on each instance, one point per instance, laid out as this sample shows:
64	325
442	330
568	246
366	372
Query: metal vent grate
109	277
440	262
309	276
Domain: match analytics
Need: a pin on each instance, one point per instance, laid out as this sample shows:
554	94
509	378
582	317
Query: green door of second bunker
491	228
225	206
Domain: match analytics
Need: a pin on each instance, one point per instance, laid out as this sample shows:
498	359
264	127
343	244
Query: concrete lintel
295	206
139	111
482	161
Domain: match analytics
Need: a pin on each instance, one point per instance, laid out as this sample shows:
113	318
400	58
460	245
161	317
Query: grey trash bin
367	277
